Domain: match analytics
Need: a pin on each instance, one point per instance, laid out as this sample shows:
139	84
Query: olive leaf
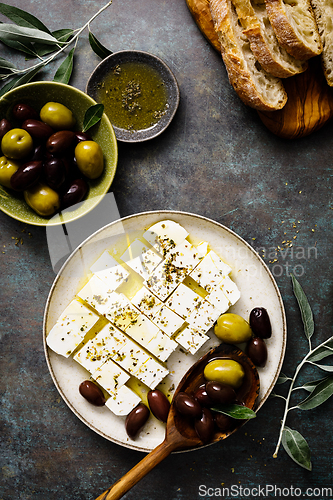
321	353
92	116
319	395
63	73
22	18
235	411
10	32
97	47
282	379
6	68
26	48
306	313
20	80
310	386
296	447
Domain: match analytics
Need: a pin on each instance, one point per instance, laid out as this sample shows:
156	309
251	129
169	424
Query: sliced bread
263	42
295	27
323	11
254	85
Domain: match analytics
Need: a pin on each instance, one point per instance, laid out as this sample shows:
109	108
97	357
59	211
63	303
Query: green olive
7	169
225	371
89	159
17	144
58	116
42	199
232	329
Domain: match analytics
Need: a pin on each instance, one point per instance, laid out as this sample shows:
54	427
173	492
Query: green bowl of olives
36	95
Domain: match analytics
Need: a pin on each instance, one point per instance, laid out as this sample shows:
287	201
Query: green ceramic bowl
37	94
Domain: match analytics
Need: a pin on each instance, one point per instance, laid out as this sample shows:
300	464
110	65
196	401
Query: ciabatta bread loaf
255	86
295	27
323	11
263	42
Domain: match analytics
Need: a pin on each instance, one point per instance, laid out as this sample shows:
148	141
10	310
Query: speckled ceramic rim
168	77
161	214
98	188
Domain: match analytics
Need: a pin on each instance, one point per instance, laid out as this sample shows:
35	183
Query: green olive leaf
282	379
63	35
296	447
97	47
235	411
321	393
325	368
92	116
11	32
25	47
306	313
322	352
310	386
22	18
64	72
20	80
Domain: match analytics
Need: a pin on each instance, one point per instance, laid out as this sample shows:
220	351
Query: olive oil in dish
134	96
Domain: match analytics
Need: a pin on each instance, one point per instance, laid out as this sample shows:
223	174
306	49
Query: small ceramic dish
146	63
37	94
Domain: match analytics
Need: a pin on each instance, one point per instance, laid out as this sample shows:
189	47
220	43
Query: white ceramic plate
252	276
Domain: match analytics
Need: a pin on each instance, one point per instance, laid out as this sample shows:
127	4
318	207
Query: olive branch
319	390
27	34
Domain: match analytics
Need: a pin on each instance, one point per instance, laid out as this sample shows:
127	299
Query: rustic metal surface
218	160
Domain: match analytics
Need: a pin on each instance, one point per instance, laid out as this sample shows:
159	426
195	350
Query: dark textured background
218	160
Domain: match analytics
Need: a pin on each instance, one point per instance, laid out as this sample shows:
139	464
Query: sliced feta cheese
141	259
71	328
152	373
207	274
142	330
183	301
110	376
230	290
131	357
100	348
202	249
97	294
109	271
220	264
120	311
203	317
123	401
165	235
167	320
161	346
218	299
165	279
191	340
147	302
183	256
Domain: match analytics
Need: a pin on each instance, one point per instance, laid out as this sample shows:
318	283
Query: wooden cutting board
310	99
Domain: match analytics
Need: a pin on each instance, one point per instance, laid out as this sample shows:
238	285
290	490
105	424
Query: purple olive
5	126
202	397
75	193
38	153
159	404
24	112
220	393
38	130
136	420
59	143
187	405
82	136
92	393
256	350
223	422
26	176
204	426
260	323
54	172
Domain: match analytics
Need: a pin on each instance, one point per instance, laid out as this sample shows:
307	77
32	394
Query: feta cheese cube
203	317
167	320
152	373
123	401
191	340
100	348
109	271
220	264
142	330
207	274
218	299
161	346
71	328
147	302
183	256
120	311
141	259
183	300
165	279
230	289
97	294
110	376
130	357
165	235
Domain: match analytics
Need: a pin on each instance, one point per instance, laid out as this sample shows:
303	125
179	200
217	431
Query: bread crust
251	84
296	43
323	12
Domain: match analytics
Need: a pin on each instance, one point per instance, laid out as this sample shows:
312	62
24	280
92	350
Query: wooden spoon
180	433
